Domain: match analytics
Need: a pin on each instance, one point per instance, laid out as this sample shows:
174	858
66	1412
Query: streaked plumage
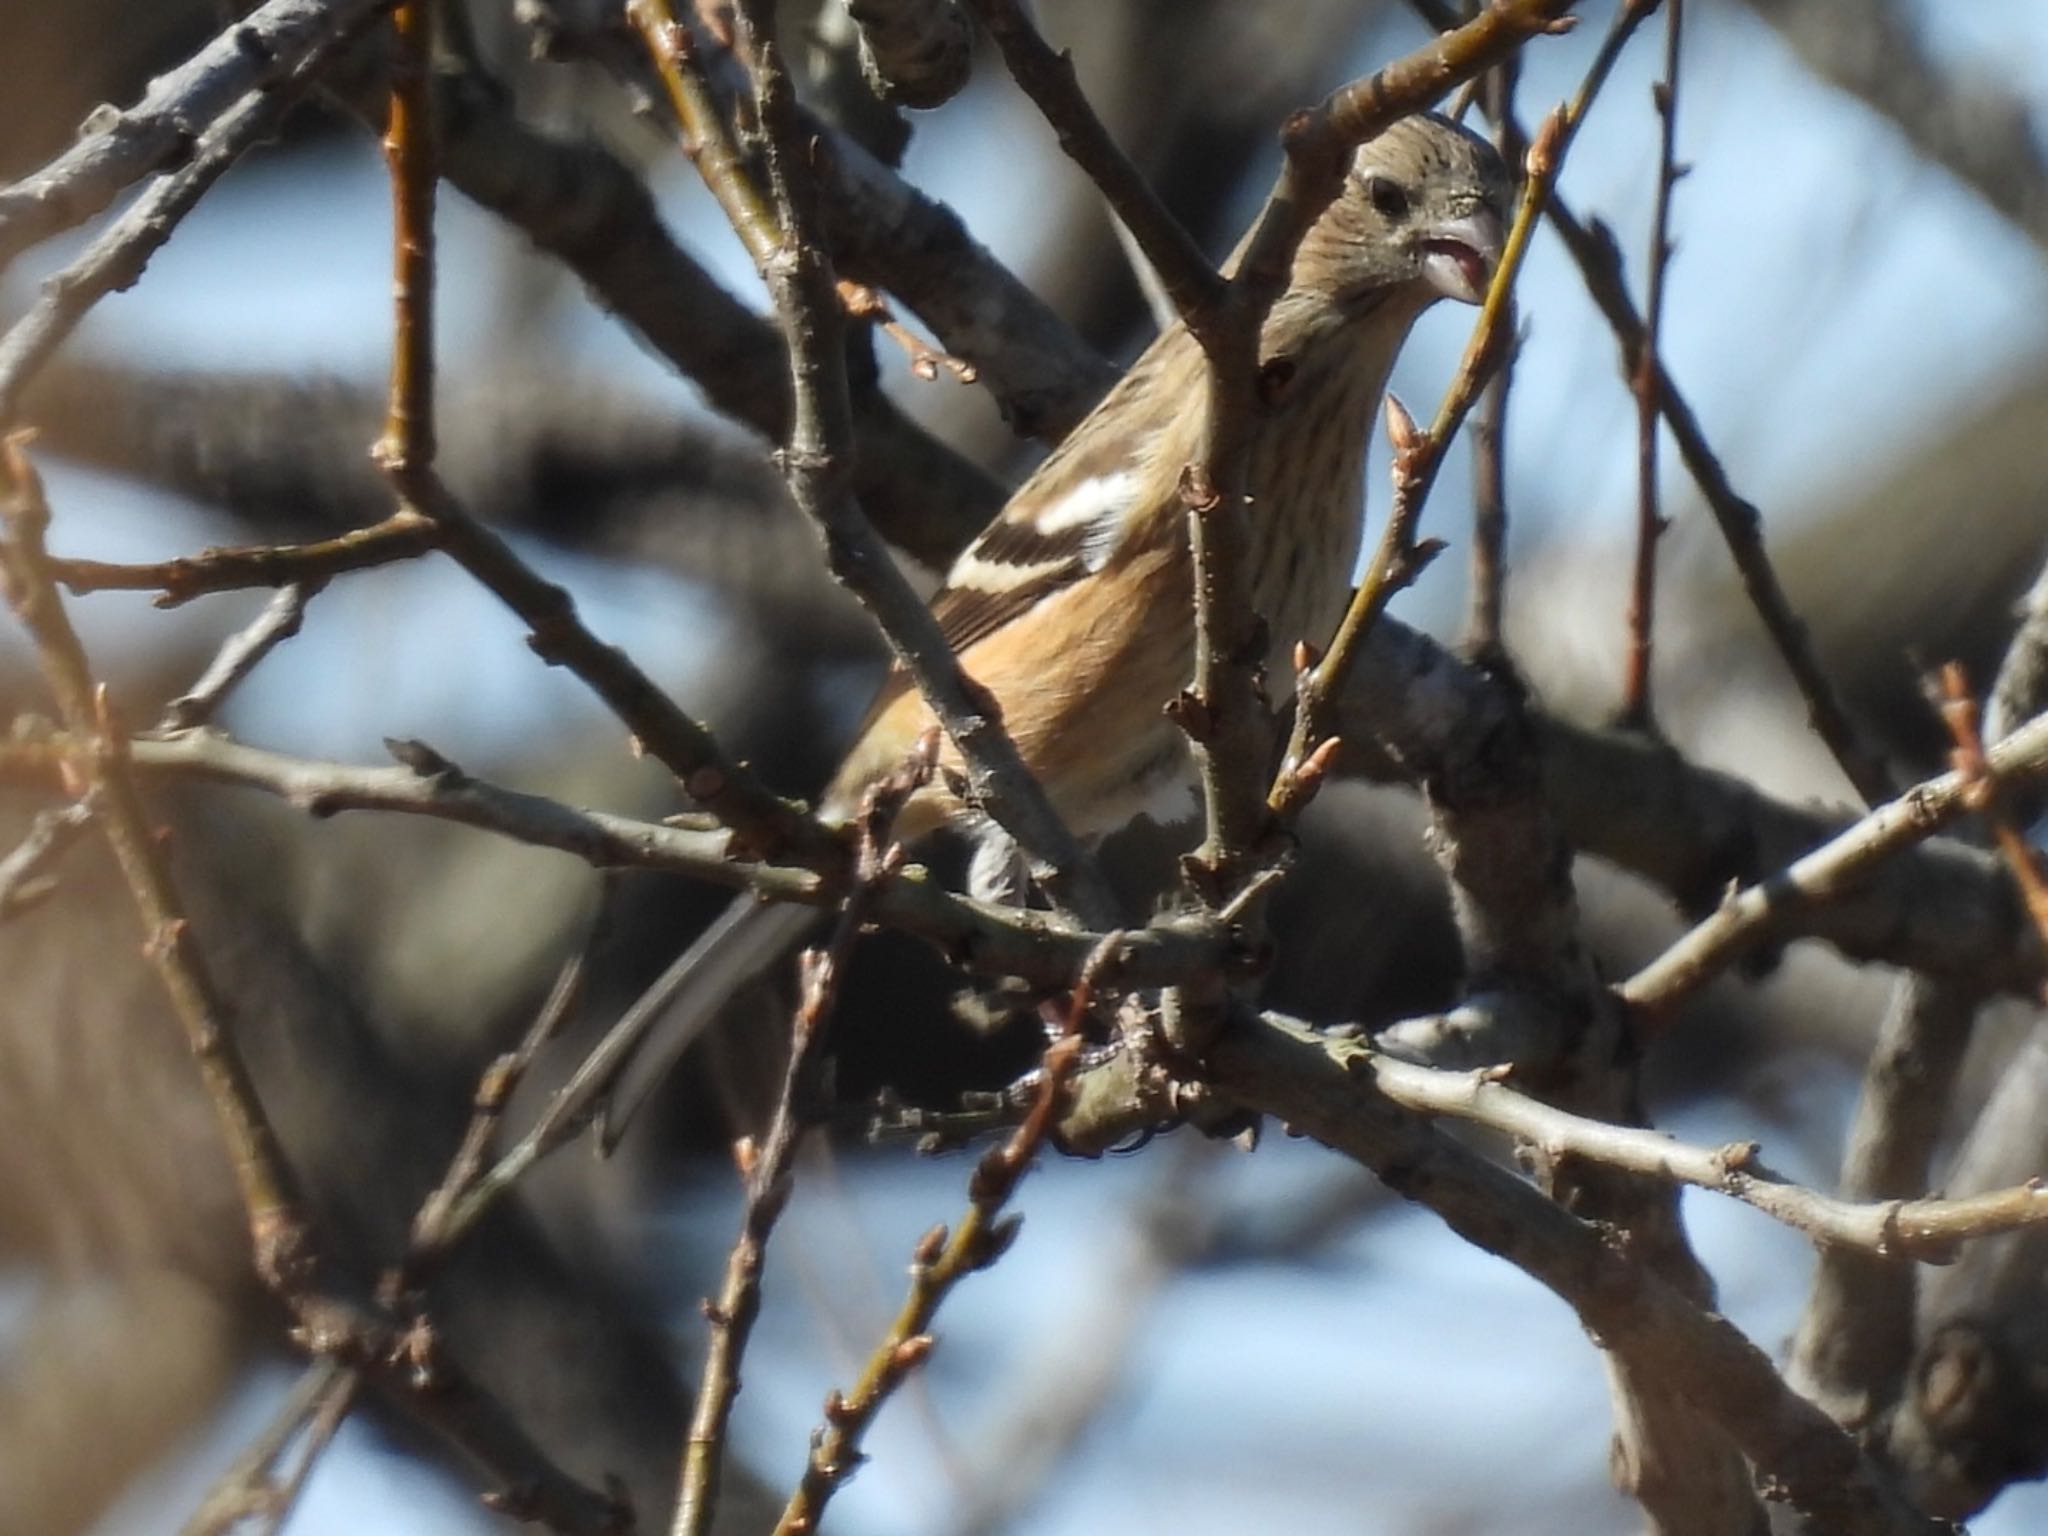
1074	608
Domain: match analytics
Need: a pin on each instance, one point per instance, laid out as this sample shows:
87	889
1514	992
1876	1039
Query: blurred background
1186	1337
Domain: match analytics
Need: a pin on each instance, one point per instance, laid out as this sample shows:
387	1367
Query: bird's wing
1064	523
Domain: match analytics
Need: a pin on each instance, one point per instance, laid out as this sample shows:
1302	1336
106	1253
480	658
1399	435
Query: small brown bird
1074	608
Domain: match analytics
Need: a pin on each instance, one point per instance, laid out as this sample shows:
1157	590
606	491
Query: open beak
1459	255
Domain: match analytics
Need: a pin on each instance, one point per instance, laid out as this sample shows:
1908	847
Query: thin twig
1233	741
926	361
779	230
260	52
116	258
984	938
470	1188
1047	77
1485	628
1741	525
1636	709
238	656
1959	713
770	1166
404	535
253	1489
1418	455
1748	917
941	1261
25	871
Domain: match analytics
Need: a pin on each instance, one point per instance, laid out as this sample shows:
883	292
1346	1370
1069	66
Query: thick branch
1281	1068
987	939
116	149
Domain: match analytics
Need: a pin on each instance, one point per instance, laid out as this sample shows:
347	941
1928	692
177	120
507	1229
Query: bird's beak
1459	255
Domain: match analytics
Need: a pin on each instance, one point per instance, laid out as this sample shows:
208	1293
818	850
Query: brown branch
405	452
1925	1230
1636	708
941	1261
1231	744
1740	523
770	825
781	234
240	654
1275	1067
1047	77
1831	871
1485	625
253	1489
116	257
262	52
1981	791
404	535
770	1167
864	303
1418	456
270	1200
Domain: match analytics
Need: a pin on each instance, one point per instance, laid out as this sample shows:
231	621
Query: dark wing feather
967	613
1046	562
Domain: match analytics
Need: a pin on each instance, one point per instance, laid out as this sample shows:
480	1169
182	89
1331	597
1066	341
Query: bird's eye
1389	197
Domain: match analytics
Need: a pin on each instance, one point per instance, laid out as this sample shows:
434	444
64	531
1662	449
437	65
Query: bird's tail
651	1036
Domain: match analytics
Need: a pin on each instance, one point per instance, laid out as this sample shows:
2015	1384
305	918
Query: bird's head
1422	216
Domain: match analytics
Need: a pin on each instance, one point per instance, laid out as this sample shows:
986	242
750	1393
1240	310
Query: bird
1074	608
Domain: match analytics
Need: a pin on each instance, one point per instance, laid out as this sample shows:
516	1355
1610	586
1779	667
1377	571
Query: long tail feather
639	1052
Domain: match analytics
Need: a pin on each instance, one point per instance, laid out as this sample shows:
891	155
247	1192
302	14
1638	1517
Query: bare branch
769	1167
1048	79
942	1260
1828	873
116	257
1283	1069
240	654
779	232
25	876
1741	524
1642	604
263	52
987	939
1926	1230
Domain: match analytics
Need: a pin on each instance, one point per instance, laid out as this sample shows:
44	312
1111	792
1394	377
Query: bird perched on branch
1074	608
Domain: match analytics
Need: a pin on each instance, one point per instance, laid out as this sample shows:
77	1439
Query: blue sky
1832	299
